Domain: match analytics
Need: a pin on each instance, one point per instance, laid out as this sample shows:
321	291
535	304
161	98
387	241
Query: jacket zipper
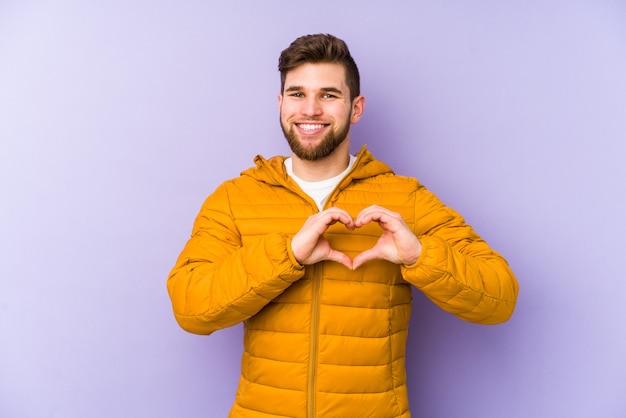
340	186
312	383
315	310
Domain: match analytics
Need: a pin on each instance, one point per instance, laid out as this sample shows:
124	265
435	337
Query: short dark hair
320	48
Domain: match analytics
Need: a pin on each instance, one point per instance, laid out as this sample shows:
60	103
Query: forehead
317	76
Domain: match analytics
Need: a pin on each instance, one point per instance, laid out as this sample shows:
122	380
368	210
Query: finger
321	221
340	258
372	213
363	258
387	219
334	215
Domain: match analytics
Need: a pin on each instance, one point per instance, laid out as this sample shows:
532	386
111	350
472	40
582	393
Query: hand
398	244
309	246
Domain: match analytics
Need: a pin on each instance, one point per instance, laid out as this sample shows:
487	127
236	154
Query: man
316	255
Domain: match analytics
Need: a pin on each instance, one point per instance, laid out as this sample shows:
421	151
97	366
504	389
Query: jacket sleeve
457	270
218	282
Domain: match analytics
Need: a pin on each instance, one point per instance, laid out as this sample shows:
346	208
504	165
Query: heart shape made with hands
342	239
396	243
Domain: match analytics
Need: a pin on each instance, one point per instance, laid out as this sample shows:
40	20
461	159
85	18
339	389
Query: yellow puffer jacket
321	340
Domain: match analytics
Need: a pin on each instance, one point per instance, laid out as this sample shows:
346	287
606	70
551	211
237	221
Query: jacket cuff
430	265
290	254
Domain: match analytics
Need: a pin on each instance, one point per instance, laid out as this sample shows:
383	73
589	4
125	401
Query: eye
328	96
297	94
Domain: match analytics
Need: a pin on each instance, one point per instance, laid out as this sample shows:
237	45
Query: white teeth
310	126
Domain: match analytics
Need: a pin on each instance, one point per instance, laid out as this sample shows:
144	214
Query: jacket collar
273	172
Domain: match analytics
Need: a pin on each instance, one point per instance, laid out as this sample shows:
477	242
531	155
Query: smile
310	126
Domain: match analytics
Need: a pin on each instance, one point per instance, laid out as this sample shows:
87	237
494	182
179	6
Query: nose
311	107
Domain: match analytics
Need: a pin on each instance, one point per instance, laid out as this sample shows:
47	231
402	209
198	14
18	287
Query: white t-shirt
318	190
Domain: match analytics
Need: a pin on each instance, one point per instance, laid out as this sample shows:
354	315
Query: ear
280	101
358	106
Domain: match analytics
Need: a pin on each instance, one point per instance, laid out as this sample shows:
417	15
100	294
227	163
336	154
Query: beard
329	142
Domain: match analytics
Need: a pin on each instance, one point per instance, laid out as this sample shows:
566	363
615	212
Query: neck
330	166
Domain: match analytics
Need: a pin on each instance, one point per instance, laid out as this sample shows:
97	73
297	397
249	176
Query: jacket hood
272	171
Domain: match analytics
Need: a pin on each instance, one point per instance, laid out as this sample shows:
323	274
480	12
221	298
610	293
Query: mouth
311	128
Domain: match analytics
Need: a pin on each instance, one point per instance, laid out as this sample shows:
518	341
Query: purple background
118	118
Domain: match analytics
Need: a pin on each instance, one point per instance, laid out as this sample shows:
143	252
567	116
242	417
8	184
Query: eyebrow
324	89
332	90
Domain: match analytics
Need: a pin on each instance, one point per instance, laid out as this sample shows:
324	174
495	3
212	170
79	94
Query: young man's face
316	111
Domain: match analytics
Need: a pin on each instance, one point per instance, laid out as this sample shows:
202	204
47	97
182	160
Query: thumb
363	258
340	258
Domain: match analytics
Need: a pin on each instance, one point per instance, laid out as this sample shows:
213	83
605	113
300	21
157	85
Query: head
320	48
320	96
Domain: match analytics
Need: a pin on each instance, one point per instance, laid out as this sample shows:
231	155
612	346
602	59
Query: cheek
286	109
347	114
